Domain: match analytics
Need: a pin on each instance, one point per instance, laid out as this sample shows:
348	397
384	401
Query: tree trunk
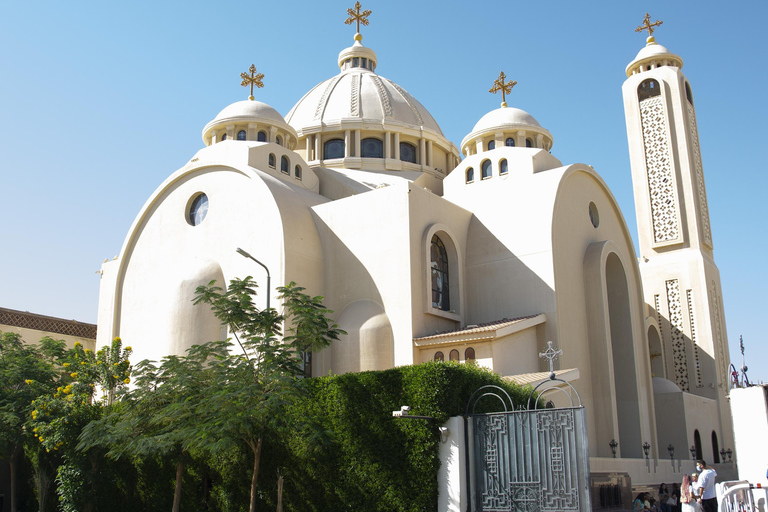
280	493
177	491
255	477
14	467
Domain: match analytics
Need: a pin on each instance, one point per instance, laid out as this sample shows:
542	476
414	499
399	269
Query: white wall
750	429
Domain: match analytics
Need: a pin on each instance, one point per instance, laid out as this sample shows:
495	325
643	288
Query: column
422	152
387	146
347	144
357	143
251	131
397	146
318	154
429	154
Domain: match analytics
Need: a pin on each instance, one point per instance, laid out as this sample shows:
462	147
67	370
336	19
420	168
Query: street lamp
247	255
693	451
729	452
671	450
722	454
613	444
646	447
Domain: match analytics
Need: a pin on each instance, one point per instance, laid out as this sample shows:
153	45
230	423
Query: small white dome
508	121
663	386
505	116
653	54
244	112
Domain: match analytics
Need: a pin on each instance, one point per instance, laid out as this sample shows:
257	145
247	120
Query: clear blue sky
101	101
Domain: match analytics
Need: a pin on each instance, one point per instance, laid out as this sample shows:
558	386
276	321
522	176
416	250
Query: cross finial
647	25
252	79
505	87
551	354
359	17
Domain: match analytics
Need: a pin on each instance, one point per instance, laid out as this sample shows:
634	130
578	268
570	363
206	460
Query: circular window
198	209
594	216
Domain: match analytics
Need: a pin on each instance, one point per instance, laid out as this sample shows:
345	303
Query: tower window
485	169
470	175
297	172
372	148
648	89
279	140
333	148
241	135
439	264
262	136
529	143
491	145
284	164
407	152
271	160
510	142
688	93
503	166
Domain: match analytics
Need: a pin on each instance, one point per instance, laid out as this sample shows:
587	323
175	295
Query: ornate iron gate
528	460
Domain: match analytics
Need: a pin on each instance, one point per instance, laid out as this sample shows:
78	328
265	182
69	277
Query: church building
428	251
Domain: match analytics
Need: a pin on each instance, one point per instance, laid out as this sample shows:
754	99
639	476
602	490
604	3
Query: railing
742	496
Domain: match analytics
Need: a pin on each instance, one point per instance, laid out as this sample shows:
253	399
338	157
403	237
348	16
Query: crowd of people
696	493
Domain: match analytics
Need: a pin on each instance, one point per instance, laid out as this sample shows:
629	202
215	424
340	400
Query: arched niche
656	351
369	343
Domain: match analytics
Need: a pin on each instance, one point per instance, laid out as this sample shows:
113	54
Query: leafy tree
26	372
259	381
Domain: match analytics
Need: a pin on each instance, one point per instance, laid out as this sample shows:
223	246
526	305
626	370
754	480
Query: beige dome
510	122
239	114
653	55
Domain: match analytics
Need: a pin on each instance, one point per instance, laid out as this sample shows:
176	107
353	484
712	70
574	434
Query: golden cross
505	87
357	16
647	25
252	79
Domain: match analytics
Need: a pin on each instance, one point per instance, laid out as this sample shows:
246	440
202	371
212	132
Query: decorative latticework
49	324
664	204
692	322
706	229
722	359
386	105
677	337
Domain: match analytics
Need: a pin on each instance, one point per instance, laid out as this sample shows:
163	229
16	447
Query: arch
440	271
503	166
648	89
715	448
333	148
407	152
297	172
191	324
454	355
470	175
697	444
371	148
491	145
279	140
469	354
485	169
261	136
285	165
656	351
241	135
510	142
369	343
439	356
271	160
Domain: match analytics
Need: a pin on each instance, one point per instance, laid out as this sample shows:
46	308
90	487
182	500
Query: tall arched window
503	169
223	136
284	164
510	142
648	89
241	135
261	136
272	160
688	93
486	169
715	448
491	145
297	172
470	175
372	148
279	140
454	355
469	354
439	356
529	143
439	264
407	152
697	443
333	148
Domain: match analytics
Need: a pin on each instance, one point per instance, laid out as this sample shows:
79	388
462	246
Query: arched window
715	448
439	356
454	355
503	169
284	164
272	160
697	444
223	136
510	142
469	354
407	152
297	172
261	136
491	145
648	89
470	175
333	148
439	264
372	148
485	169
688	93
529	143
279	140
241	135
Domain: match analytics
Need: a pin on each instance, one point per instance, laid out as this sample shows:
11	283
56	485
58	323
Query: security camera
404	411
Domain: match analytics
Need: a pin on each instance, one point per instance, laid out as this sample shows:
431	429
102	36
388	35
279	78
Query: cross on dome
647	25
551	354
359	17
252	79
505	87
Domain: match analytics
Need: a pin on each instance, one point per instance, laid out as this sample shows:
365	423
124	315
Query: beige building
33	327
429	251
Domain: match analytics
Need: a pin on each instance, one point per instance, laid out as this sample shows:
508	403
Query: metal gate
527	460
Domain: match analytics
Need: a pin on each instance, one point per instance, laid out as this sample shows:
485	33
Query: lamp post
613	444
722	454
646	447
247	255
693	451
671	450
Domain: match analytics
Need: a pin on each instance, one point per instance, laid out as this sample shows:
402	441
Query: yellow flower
73	375
29	381
128	348
82	362
65	365
34	414
88	351
78	344
117	339
127	381
115	364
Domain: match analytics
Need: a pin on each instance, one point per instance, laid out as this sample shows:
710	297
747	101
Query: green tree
26	372
265	375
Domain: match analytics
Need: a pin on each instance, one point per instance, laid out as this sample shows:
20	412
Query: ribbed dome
509	121
653	54
247	111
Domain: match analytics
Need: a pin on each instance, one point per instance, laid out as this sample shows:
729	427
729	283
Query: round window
198	209
594	216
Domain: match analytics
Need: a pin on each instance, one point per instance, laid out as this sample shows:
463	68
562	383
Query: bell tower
681	282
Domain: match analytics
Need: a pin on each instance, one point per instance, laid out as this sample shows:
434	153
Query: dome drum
506	126
653	56
250	120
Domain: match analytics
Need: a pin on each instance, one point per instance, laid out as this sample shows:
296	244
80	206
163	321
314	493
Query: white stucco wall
749	408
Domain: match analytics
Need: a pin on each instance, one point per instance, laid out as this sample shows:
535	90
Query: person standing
705	486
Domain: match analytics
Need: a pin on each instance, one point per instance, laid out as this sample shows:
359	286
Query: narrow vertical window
284	164
491	145
469	354
529	143
454	355
510	142
262	136
470	175
503	169
297	172
440	283
271	160
485	169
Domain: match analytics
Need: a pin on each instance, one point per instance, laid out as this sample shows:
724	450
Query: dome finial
359	17
647	25
505	87
252	79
